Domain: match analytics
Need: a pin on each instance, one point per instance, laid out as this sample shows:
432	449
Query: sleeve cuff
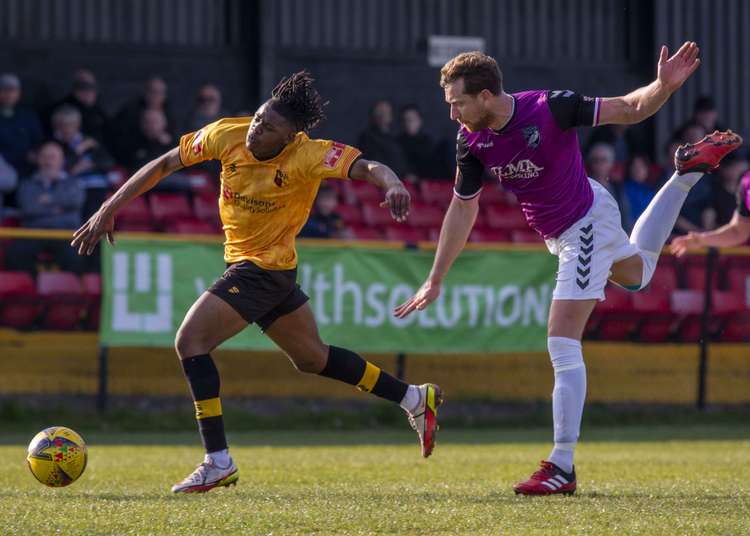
466	197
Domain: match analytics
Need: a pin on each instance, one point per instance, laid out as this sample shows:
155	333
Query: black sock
203	379
348	367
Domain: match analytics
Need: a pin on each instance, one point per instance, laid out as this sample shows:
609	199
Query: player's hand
672	72
397	199
86	237
681	244
426	294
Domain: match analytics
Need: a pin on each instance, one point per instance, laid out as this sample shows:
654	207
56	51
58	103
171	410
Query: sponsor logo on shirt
333	155
524	169
485	144
198	143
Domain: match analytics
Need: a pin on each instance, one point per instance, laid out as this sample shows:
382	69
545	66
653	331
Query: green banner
492	300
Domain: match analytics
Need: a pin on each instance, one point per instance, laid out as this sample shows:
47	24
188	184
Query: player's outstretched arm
734	233
646	101
103	220
397	197
453	236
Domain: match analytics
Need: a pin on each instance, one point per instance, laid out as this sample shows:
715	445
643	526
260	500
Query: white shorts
588	248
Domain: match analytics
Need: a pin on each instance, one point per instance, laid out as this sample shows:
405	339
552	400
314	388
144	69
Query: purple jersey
536	156
743	196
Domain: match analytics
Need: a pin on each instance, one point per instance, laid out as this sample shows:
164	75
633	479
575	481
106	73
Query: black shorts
259	296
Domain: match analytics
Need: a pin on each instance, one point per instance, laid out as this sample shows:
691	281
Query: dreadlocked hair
298	101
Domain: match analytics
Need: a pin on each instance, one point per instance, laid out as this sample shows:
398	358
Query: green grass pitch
632	480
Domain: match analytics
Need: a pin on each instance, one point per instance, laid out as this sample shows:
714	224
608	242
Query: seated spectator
8	181
624	139
152	140
417	145
49	199
325	222
127	122
725	186
85	158
705	114
84	97
378	143
599	162
20	129
637	188
207	108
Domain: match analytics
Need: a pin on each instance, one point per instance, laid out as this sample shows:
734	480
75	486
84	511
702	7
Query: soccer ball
57	456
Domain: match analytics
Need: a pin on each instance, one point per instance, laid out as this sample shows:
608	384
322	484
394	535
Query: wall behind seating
53	363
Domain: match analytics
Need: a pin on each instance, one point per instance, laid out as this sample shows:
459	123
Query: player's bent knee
310	360
189	345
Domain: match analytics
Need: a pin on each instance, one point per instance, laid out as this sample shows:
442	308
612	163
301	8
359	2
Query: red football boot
548	480
705	155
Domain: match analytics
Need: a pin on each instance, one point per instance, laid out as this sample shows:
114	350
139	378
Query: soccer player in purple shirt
734	233
528	142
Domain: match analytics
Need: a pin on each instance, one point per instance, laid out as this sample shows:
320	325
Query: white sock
567	398
219	458
654	226
411	399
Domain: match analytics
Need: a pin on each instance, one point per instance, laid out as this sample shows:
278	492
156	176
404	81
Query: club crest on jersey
532	136
333	155
198	143
281	179
524	169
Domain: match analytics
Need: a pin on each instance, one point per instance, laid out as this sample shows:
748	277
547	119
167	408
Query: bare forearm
646	101
381	175
729	235
453	236
144	179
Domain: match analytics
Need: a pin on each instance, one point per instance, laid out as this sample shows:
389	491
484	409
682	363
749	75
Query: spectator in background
84	97
20	129
150	141
599	162
638	191
85	158
705	114
129	119
418	147
622	138
8	181
325	222
207	108
49	199
724	188
378	143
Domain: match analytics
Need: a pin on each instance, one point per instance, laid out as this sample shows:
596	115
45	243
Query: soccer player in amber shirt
270	175
528	141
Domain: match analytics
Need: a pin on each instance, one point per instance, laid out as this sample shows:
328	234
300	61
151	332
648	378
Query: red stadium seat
375	215
206	208
134	227
92	289
694	272
411	235
166	207
64	300
19	305
505	217
732	312
656	321
526	236
137	211
351	214
362	192
366	233
422	215
664	278
493	194
190	227
486	234
436	192
614	318
738	280
688	305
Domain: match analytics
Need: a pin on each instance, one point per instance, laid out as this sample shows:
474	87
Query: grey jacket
50	204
